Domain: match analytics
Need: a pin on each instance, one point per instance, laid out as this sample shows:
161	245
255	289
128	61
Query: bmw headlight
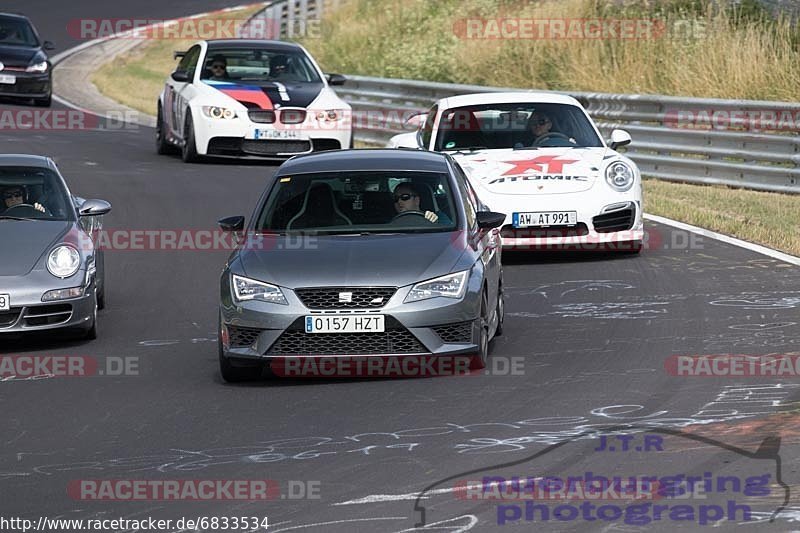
37	67
330	115
63	261
212	111
449	286
245	289
619	176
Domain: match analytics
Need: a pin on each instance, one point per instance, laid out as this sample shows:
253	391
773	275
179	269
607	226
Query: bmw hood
25	242
371	260
268	94
536	171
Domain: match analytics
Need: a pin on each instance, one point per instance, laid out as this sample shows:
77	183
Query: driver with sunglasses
14	195
219	68
406	198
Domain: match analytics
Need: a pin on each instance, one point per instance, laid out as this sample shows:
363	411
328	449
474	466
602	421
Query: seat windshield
359	202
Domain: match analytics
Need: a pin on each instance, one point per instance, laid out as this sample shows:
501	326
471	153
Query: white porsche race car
539	158
250	99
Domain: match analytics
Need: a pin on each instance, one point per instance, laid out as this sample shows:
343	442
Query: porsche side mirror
416	121
619	138
91	208
335	79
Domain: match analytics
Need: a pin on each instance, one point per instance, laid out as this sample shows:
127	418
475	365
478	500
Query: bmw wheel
189	150
162	146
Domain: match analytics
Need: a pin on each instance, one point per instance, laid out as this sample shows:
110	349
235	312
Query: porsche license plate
345	324
5	302
544	218
8	79
275	134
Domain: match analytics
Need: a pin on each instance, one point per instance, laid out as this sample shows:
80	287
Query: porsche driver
14	195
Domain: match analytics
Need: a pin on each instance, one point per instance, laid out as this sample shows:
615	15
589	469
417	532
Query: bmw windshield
260	65
359	202
515	125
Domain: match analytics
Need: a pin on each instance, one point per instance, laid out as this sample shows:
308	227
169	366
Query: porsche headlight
63	261
619	176
212	111
245	289
37	67
330	115
449	286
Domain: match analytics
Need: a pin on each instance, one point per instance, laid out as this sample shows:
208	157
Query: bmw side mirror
92	208
180	75
48	45
335	79
619	138
231	223
490	219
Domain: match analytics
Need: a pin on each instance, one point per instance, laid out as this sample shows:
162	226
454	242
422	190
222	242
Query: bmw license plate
544	218
5	302
259	133
8	79
345	324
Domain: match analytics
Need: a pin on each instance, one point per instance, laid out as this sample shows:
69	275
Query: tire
189	149
162	146
480	360
635	247
500	310
236	374
43	102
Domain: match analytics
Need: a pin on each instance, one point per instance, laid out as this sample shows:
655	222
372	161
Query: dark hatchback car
25	69
358	253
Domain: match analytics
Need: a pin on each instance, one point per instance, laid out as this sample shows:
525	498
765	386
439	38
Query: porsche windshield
33	193
515	125
359	202
258	65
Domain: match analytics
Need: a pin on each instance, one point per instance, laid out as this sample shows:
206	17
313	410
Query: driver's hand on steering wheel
38	207
430	216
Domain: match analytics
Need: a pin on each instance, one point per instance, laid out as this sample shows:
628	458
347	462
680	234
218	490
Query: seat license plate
544	218
345	324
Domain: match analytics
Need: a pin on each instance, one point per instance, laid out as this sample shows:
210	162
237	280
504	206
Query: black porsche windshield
359	202
17	32
258	64
515	125
33	193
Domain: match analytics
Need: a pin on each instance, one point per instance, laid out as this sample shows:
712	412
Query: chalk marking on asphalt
769	252
378	498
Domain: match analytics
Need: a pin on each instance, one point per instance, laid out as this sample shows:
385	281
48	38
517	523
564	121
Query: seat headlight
37	67
619	176
212	111
63	261
245	289
449	286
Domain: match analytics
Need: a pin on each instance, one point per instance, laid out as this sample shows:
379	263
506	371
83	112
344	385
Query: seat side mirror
235	223
490	219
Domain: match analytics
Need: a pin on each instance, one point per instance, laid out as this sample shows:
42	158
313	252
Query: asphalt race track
587	335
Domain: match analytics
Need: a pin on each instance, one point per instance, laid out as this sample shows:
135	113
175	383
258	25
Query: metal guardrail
662	147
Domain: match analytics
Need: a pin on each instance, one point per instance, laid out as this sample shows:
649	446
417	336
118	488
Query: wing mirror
414	122
619	138
180	75
91	208
48	45
490	219
335	79
235	223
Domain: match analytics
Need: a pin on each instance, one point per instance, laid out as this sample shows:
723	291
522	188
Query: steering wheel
550	135
22	206
409	213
